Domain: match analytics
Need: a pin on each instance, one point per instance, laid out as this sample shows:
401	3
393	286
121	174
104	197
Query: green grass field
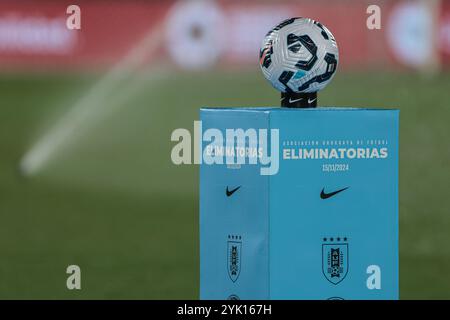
112	202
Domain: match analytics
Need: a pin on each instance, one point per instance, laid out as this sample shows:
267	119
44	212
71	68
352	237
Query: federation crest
234	250
335	259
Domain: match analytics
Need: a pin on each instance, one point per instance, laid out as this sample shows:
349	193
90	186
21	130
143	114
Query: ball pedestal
314	216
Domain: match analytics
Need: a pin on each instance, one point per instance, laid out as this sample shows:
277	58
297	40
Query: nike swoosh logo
324	195
311	101
230	192
295	100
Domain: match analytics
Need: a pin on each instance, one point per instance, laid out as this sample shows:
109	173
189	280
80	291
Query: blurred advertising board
444	34
203	34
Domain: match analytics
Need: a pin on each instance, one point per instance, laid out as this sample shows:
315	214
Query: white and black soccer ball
299	55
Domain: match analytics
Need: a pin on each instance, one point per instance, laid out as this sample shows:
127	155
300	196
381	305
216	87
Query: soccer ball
299	55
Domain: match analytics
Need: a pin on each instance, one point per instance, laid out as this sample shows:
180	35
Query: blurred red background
203	34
